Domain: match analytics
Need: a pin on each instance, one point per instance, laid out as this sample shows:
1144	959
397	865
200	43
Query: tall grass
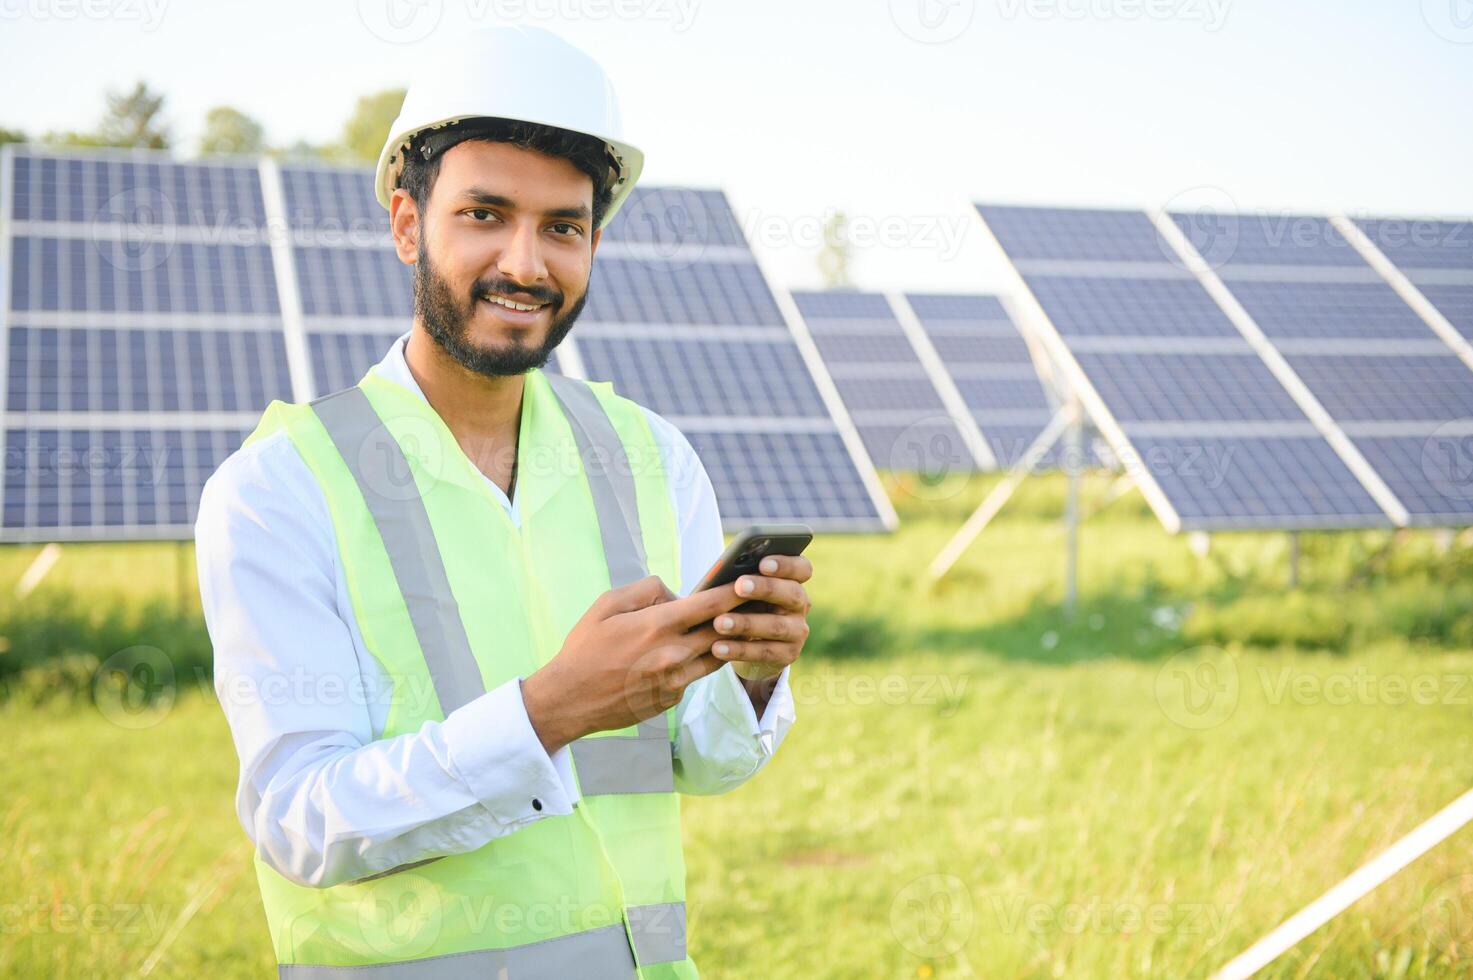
978	785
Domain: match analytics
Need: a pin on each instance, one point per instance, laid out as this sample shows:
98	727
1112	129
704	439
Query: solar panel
150	308
142	334
1368	358
891	392
1436	257
1208	431
992	368
681	318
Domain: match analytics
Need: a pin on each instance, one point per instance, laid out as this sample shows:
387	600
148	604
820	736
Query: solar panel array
896	401
1384	377
151	308
1183	397
992	367
1251	371
682	319
141	337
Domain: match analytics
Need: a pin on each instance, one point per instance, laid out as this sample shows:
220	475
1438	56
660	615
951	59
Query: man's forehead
528	177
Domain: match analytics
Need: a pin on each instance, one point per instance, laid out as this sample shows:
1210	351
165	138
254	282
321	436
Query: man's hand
629	658
766	636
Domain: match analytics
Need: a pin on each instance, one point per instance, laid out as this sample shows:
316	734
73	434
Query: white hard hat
524	73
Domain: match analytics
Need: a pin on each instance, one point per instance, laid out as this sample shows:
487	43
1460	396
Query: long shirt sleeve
322	799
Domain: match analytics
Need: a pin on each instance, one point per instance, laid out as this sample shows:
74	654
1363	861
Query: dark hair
588	153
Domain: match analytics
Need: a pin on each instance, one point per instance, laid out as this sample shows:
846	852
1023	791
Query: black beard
448	323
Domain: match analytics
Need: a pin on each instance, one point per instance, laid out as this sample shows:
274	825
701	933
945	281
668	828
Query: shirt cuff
731	699
499	757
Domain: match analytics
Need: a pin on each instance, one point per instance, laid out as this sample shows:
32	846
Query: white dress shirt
323	800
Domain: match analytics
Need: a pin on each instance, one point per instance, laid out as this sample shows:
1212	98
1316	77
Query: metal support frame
1066	416
1428	835
1073	463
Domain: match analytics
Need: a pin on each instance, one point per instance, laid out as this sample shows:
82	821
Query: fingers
699	667
648	591
784	593
756	651
788	628
701	607
793	567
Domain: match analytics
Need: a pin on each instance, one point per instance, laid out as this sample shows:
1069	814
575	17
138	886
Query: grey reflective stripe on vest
377	463
659	932
626	763
609	478
639	763
613	763
599	954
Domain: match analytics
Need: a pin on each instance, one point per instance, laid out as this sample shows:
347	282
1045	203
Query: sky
898	112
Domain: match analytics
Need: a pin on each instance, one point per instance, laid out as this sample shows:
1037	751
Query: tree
833	258
230	131
132	119
11	135
368	127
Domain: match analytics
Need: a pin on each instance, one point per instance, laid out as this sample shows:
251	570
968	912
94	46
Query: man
463	692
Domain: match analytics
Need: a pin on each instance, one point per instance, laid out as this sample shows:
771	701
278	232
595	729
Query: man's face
503	223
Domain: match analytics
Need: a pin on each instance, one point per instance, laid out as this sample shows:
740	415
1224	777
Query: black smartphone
750	546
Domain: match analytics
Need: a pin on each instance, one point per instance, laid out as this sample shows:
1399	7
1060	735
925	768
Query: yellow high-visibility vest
452	599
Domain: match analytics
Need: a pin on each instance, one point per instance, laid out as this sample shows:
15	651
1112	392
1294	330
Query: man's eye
563	228
480	214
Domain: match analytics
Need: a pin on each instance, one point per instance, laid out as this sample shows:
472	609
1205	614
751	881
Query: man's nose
521	261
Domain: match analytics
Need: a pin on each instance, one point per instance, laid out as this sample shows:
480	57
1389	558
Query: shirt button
536	803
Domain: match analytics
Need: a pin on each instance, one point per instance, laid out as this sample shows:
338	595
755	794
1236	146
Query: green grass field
976	786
